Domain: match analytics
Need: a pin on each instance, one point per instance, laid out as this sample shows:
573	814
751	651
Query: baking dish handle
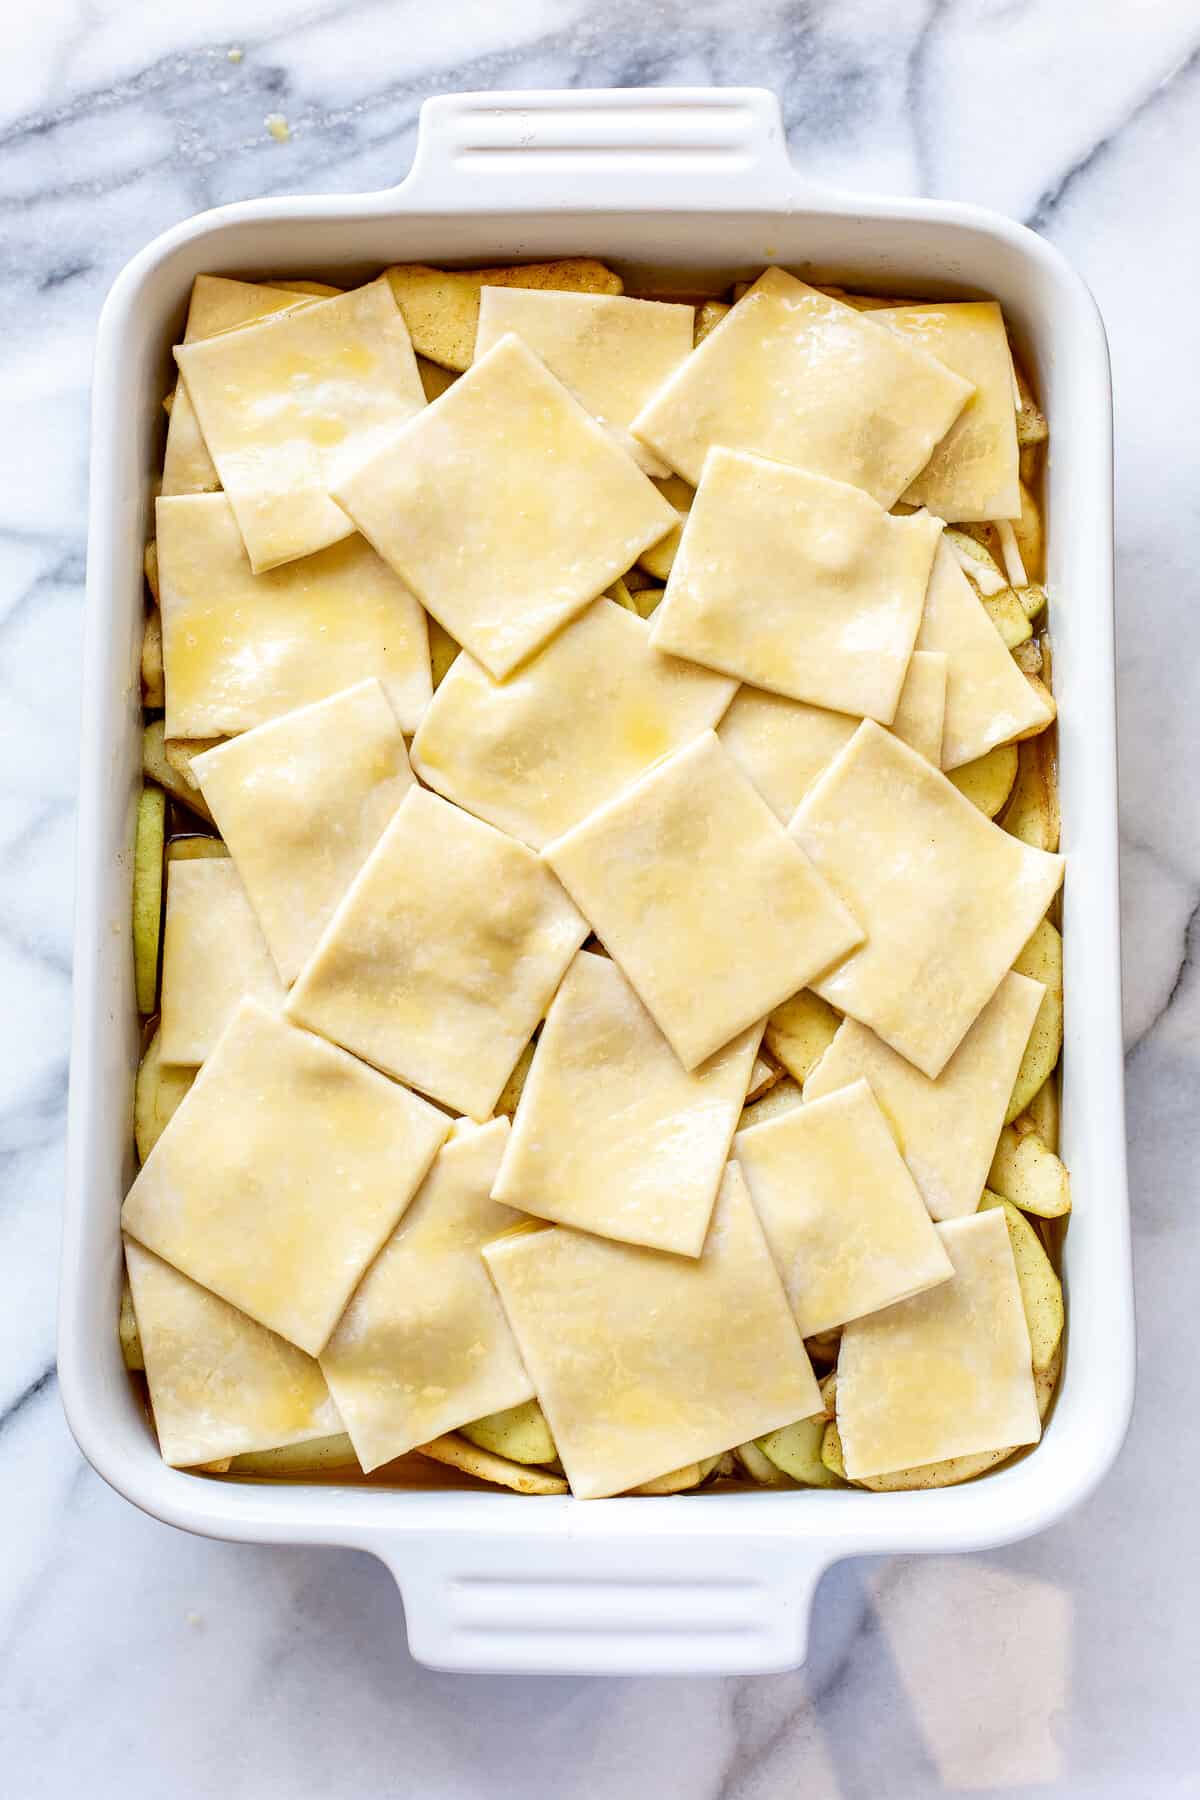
611	149
595	1604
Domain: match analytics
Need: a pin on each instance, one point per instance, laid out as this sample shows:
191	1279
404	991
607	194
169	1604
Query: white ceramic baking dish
699	182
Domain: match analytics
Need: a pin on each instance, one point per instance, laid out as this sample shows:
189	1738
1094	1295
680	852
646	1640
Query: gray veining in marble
142	1662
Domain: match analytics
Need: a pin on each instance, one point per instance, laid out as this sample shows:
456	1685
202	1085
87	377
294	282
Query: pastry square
291	403
574	725
948	1373
783	745
688	880
800	377
945	897
220	1384
801	585
947	1129
281	1174
506	507
613	353
988	700
214	955
301	802
921	710
611	1134
442	956
217	305
625	1402
846	1224
239	648
424	1346
973	473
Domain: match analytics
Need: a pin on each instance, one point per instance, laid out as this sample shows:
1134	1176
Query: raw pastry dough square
797	376
798	584
569	729
506	506
424	1346
988	700
689	882
921	709
214	955
443	955
284	1170
240	648
301	802
973	472
948	1373
216	305
847	1227
611	1134
612	352
945	897
642	1361
947	1129
220	1384
783	745
288	405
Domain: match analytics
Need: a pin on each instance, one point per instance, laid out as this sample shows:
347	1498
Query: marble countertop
140	1661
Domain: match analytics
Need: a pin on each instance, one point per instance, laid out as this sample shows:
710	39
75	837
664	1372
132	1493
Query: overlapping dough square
570	728
506	507
214	955
948	1373
846	1224
217	304
301	802
988	699
797	376
611	1134
946	898
289	404
644	1361
973	473
783	745
689	881
612	352
801	585
947	1130
220	1384
240	648
285	1168
921	709
424	1346
442	956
